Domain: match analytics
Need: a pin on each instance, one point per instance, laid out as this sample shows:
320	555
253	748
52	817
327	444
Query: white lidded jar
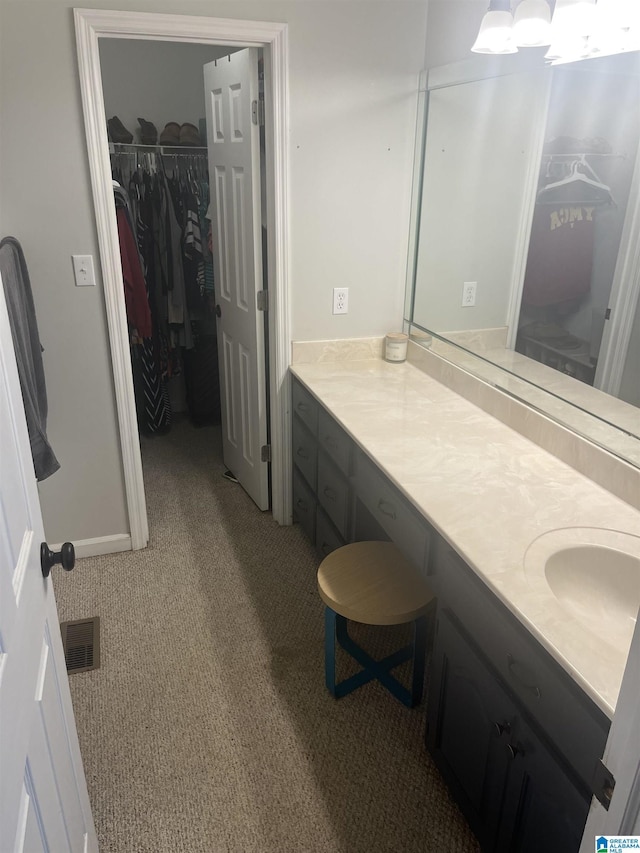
395	346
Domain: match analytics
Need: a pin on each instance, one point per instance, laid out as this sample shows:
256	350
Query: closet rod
172	150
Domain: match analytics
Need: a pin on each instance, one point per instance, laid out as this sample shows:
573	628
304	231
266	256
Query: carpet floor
207	727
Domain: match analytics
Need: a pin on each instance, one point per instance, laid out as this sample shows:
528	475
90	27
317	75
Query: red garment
135	291
560	254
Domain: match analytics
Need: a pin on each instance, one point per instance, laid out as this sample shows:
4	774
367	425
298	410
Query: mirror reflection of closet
592	132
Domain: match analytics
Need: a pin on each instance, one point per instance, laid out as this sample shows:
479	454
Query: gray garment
26	342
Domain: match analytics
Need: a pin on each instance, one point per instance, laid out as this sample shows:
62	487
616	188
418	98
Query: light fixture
617	26
496	30
532	23
577	29
572	24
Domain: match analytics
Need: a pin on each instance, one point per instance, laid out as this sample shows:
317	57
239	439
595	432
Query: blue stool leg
420	632
330	650
336	629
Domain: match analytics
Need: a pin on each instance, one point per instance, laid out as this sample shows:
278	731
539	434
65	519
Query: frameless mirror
526	256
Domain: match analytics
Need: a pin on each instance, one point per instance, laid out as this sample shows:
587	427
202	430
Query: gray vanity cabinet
514	737
322	458
514	793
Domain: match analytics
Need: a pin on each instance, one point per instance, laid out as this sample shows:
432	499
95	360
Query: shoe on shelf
189	134
148	132
171	134
118	132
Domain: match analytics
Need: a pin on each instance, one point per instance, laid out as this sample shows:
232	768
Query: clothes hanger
576	188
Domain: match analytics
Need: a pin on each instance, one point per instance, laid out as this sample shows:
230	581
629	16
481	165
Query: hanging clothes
135	291
168	197
152	399
560	261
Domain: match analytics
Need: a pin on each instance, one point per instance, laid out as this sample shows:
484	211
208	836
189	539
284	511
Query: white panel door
231	86
44	804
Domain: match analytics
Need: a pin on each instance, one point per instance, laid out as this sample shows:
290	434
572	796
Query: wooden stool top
373	583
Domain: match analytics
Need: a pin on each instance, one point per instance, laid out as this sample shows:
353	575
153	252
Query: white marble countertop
487	490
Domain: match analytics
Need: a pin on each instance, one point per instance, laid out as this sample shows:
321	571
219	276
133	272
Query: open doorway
91	26
187	149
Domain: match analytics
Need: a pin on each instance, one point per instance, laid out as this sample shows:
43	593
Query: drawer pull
302	505
513	672
302	407
390	512
329	493
302	452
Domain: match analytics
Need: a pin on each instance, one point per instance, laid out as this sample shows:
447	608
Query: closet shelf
125	147
578	154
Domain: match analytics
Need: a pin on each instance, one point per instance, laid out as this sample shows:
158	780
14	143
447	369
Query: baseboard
100	545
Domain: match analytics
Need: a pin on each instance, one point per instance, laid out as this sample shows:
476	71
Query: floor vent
81	643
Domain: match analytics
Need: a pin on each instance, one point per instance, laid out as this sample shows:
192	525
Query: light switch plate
83	270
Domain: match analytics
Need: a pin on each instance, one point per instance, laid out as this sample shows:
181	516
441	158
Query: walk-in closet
172	224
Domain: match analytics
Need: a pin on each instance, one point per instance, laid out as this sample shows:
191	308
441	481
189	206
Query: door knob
66	557
218	311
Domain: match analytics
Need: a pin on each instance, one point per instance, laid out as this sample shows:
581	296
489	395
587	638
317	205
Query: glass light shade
532	23
568	48
496	34
617	25
620	14
573	18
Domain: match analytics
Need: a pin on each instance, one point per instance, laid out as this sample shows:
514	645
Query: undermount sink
594	574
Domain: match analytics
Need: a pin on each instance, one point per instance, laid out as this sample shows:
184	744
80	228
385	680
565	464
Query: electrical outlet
469	293
340	300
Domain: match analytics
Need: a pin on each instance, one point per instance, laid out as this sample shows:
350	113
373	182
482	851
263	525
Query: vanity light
573	22
578	28
496	30
532	24
617	27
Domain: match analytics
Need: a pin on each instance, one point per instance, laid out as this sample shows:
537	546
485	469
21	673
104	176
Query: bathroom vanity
520	693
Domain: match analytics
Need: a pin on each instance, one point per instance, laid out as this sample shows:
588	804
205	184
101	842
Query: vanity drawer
333	493
570	719
327	537
305	452
304	505
335	441
395	515
305	407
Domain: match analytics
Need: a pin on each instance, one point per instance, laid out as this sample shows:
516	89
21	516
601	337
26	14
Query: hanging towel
26	342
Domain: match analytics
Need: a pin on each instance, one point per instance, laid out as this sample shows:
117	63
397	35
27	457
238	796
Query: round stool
373	583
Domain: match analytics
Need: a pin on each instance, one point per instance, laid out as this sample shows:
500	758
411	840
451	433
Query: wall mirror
525	259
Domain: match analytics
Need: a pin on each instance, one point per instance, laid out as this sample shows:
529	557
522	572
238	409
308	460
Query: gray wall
159	81
353	68
452	29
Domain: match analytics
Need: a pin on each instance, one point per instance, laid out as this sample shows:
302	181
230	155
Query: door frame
624	296
90	25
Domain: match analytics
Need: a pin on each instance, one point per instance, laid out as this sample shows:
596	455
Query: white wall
155	80
452	29
354	68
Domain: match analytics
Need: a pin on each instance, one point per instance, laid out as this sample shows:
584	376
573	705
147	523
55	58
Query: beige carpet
208	727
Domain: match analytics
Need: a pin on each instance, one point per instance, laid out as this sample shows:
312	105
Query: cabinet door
543	810
468	721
